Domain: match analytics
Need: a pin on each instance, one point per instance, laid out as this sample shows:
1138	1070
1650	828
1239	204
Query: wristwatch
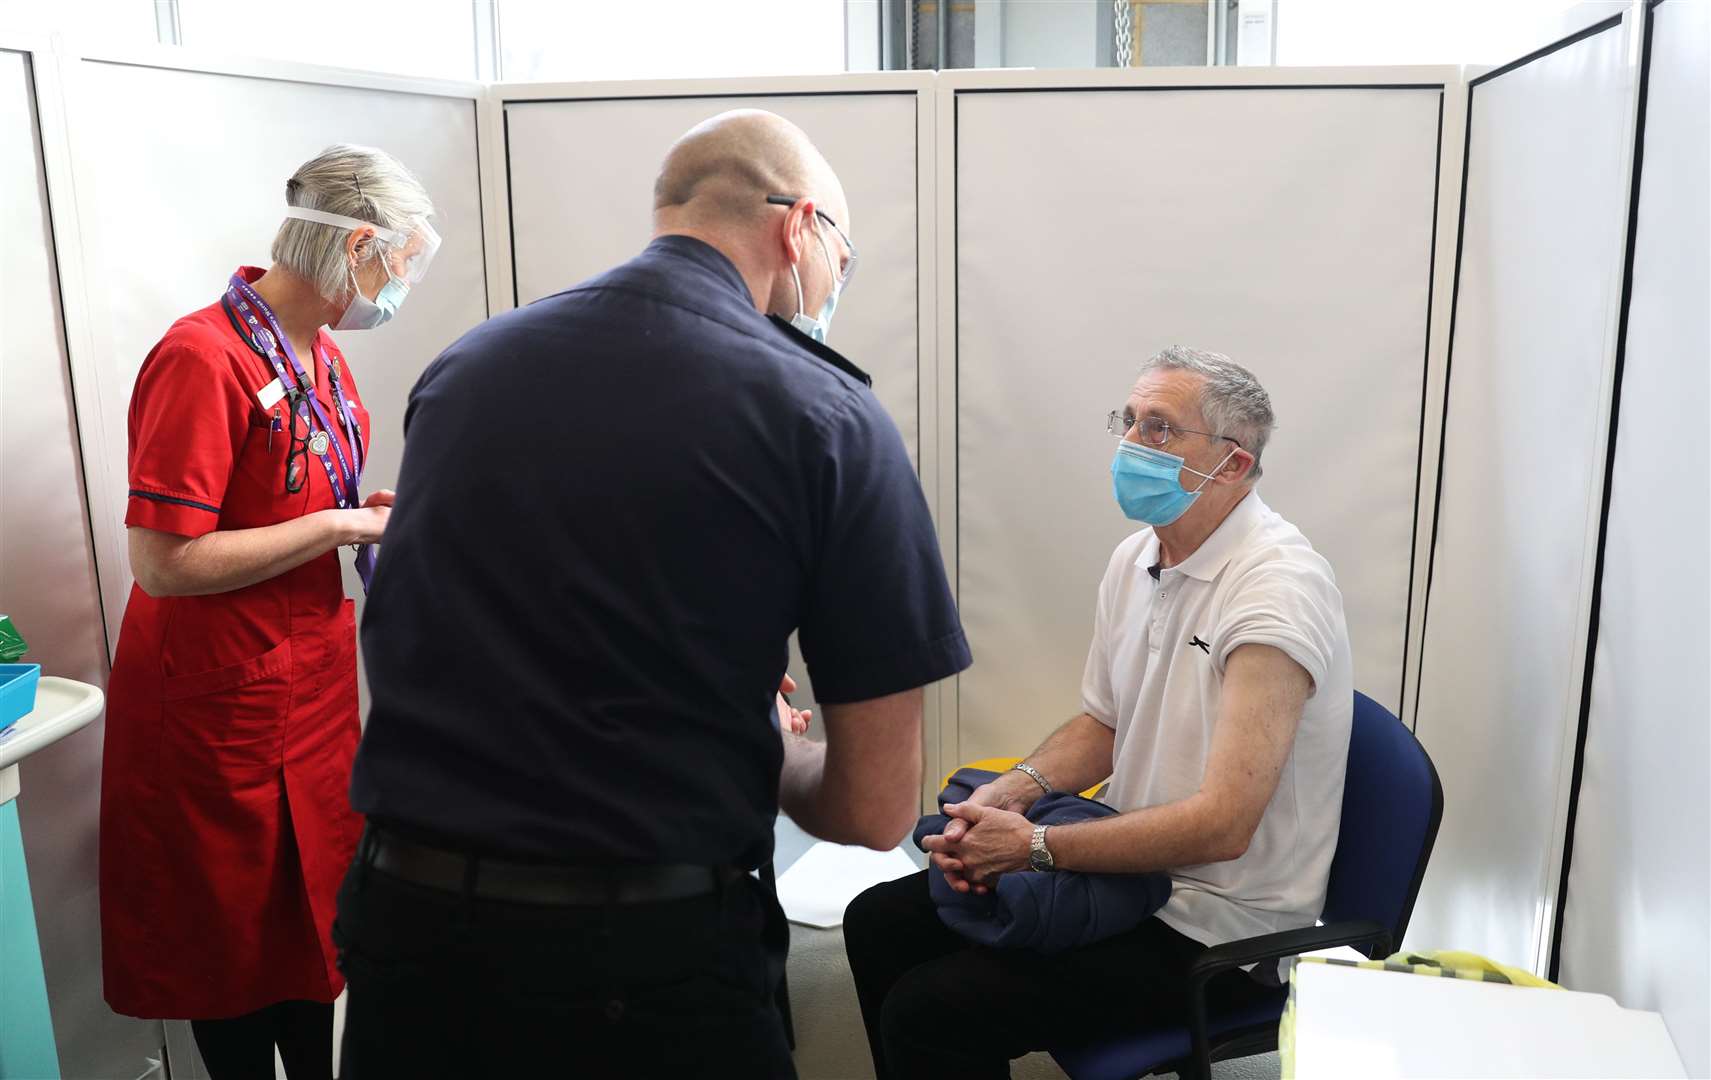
1039	856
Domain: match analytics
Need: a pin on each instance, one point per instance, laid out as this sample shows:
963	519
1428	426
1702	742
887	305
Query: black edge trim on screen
481	219
53	238
1609	484
956	377
708	97
1425	381
174	500
1455	298
510	201
918	327
1539	54
1179	89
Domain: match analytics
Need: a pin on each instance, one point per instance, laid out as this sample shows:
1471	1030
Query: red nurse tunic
226	823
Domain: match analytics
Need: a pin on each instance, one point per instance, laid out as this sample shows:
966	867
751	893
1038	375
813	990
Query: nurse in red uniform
232	710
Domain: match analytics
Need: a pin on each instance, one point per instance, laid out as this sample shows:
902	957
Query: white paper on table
820	885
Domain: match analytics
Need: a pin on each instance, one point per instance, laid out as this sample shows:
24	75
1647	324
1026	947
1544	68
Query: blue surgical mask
817	328
1148	483
366	314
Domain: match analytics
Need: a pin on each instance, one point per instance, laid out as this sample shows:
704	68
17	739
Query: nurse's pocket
229	718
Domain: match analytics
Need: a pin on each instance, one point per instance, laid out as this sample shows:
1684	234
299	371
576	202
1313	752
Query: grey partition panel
182	178
1634	917
1288	227
1537	272
48	586
581	180
582	174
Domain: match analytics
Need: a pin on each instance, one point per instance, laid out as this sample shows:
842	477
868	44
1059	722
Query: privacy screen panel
1530	361
1290	228
1634	922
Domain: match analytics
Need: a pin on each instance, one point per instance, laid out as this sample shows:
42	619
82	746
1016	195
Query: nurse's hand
364	526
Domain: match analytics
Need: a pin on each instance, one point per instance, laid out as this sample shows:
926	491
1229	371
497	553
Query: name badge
270	394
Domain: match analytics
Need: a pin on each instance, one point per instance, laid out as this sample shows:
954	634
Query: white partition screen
1538	272
1634	915
1289	227
181	177
581	174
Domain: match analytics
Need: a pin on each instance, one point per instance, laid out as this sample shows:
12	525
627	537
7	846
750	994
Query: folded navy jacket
1047	913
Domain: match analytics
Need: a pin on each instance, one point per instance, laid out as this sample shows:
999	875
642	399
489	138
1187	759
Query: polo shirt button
1164	596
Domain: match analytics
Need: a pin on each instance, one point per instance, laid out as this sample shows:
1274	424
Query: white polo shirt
1155	673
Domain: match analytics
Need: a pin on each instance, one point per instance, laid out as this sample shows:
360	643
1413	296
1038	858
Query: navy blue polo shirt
615	506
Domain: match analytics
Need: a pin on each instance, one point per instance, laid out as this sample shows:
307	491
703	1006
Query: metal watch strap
1039	856
1024	767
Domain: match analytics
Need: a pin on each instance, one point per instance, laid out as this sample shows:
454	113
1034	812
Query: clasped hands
986	836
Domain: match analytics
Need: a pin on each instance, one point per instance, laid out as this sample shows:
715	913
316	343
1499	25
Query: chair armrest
1276	946
1236	954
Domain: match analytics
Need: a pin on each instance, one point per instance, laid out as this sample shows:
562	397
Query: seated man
1217	696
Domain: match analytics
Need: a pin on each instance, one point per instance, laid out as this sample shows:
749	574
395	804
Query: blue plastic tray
17	691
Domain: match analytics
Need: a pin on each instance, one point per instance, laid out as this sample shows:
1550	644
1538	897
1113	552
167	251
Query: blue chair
1392	803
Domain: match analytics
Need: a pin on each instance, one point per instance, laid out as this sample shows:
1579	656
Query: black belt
536	883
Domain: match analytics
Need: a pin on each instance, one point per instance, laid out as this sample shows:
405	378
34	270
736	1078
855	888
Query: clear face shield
407	252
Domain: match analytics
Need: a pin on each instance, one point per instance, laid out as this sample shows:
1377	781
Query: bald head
721	171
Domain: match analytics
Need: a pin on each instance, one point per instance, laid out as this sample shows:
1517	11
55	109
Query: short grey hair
1232	401
355	181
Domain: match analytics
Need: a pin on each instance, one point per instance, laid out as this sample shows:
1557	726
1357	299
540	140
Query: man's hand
1014	791
791	721
993	842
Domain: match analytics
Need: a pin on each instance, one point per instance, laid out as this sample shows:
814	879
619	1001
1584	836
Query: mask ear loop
798	279
800	307
1211	475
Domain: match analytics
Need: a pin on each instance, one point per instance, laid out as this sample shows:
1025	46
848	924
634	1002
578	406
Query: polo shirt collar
706	257
1209	559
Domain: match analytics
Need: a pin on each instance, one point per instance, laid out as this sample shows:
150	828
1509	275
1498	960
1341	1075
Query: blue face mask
817	328
1148	483
366	314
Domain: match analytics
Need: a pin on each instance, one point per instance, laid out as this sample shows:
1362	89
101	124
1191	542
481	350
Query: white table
1366	1023
62	707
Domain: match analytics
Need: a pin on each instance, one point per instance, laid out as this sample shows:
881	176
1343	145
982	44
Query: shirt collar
1208	560
706	257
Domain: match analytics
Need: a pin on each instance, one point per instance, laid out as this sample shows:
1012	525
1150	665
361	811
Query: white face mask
817	327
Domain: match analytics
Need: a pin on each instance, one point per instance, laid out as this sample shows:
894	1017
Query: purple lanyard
270	340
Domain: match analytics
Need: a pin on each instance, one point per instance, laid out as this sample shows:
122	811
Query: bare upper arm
1260	709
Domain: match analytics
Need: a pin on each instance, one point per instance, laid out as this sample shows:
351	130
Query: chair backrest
1392	803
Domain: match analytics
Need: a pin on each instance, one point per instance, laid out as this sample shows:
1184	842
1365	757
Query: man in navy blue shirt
616	505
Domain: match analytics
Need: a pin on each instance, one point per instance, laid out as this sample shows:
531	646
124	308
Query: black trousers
449	985
938	1006
241	1047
